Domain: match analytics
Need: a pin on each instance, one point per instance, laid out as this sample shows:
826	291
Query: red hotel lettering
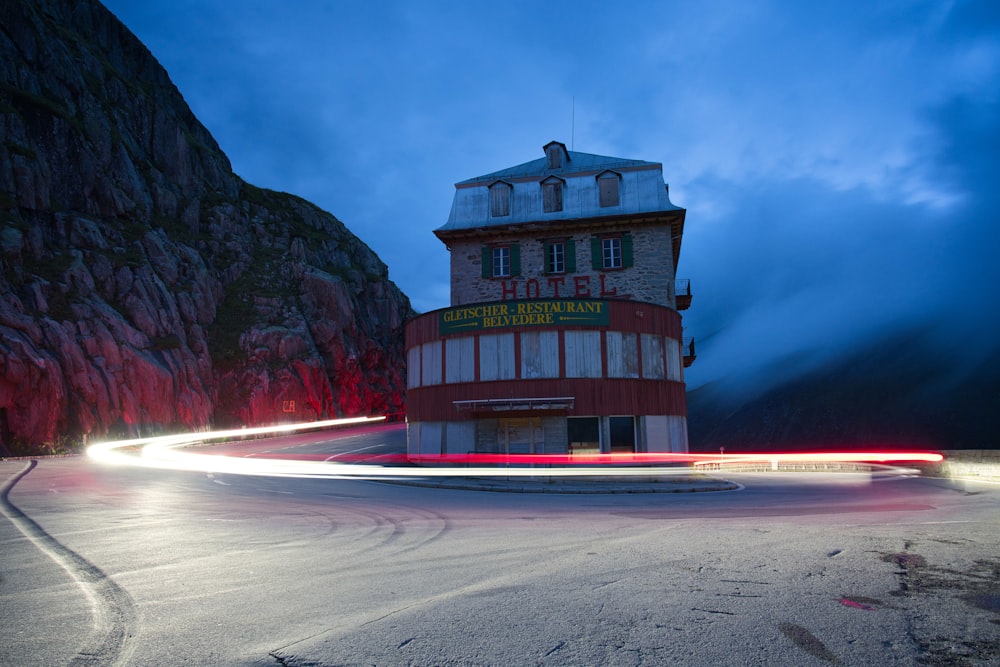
555	284
582	284
508	291
605	291
527	289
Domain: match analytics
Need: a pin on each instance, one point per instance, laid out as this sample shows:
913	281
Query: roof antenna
572	130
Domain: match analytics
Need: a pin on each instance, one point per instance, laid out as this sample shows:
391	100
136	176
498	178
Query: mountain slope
144	285
898	392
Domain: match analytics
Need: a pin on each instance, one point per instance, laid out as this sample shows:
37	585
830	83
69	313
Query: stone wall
969	463
649	279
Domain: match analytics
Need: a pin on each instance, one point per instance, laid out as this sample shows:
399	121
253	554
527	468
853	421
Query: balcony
687	349
682	288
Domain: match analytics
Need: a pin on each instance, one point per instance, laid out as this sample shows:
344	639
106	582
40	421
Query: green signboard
545	312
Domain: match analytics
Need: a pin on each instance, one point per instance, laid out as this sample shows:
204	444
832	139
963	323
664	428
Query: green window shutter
487	262
515	259
546	250
626	250
596	258
570	256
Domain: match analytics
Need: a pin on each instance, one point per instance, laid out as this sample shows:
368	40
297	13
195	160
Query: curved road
119	565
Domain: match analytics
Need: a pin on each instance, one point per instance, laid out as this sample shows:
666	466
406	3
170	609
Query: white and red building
564	333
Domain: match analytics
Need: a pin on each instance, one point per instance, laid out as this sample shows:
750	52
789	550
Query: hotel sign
546	312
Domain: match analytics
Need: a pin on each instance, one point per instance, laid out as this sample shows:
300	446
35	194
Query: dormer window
500	192
552	194
556	155
607	188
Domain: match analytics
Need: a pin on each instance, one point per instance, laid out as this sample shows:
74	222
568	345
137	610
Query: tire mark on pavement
114	614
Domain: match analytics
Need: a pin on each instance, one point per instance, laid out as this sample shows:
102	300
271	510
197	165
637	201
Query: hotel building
564	331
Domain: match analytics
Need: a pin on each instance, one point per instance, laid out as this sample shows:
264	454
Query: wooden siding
606	396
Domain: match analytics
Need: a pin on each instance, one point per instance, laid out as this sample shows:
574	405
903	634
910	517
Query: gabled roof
577	162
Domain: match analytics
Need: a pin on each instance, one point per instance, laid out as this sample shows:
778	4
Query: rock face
146	287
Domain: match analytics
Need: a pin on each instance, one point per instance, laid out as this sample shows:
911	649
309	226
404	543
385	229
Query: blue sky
839	161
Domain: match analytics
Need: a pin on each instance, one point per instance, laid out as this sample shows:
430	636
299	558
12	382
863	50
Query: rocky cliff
143	285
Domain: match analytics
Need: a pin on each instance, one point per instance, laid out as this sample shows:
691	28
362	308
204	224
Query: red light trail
165	452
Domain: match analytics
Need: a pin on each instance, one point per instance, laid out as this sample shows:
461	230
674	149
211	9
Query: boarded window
539	354
460	359
496	357
623	355
552	195
652	357
430	440
672	351
431	363
459	437
607	185
583	354
554	156
520	436
413	367
500	199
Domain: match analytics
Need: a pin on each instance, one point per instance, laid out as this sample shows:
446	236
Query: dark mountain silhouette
899	392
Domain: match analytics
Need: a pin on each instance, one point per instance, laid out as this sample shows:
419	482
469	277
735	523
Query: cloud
799	272
837	161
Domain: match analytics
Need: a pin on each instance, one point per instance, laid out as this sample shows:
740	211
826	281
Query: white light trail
166	452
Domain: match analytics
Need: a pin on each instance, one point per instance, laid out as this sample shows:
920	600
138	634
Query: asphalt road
115	565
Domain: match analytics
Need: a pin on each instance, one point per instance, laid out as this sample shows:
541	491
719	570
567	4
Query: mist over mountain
144	285
856	316
898	393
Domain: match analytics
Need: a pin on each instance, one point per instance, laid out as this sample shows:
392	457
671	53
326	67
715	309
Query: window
554	154
622	434
500	199
556	260
552	195
560	256
611	253
539	354
607	186
584	435
501	261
